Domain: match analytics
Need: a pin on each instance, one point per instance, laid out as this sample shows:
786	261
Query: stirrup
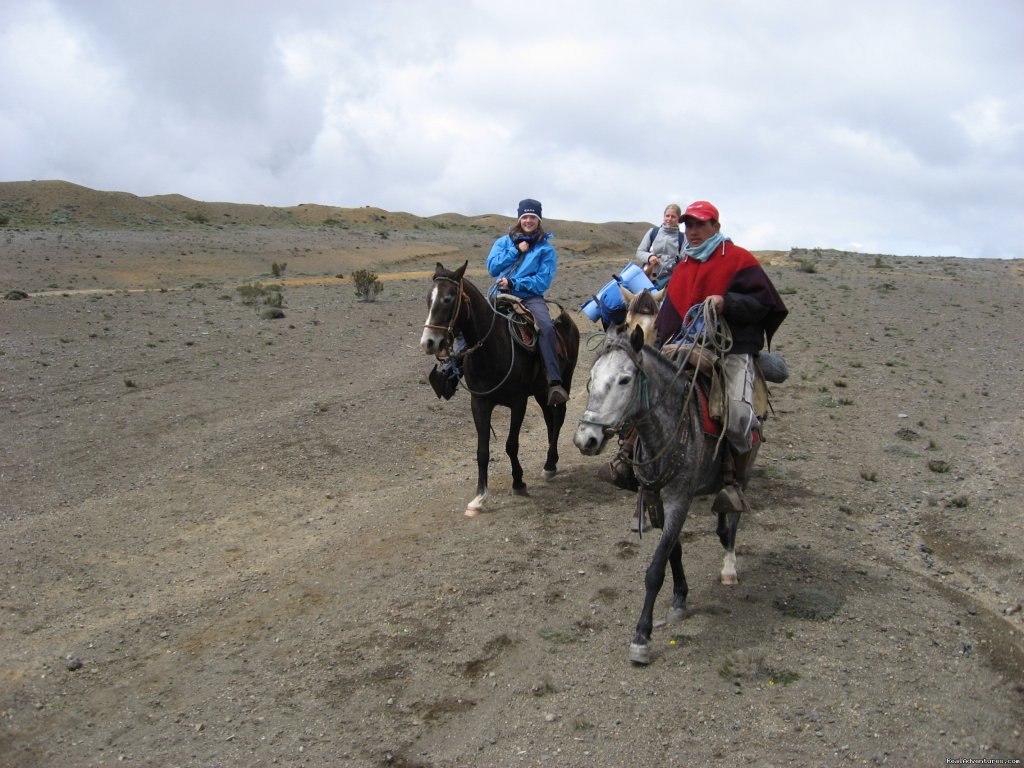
619	472
557	395
729	499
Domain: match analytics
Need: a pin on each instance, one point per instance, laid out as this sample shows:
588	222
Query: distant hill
35	204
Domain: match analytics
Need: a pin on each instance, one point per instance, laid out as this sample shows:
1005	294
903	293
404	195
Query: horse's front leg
680	589
640	648
482	410
512	447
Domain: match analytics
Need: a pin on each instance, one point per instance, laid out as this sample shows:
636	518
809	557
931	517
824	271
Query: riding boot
735	467
619	471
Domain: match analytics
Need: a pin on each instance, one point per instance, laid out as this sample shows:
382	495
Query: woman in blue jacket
524	263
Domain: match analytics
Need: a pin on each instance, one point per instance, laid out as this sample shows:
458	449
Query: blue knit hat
529	206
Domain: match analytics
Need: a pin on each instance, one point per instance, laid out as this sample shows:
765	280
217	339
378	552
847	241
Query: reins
715	336
449	331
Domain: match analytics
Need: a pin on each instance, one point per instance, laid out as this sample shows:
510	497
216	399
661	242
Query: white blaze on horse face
646	323
642	311
430	341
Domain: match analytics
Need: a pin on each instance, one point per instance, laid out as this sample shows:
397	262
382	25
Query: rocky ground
232	541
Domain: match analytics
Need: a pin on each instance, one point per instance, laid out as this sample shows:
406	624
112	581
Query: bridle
449	330
449	333
641	394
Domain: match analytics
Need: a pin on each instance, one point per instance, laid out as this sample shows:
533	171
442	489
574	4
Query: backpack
654	233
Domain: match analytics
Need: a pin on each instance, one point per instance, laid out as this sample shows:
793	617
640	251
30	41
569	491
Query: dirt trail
229	541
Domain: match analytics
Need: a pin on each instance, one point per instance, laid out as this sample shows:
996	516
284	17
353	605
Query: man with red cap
712	266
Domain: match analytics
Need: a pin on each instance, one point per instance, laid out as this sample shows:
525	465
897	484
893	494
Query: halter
641	392
449	332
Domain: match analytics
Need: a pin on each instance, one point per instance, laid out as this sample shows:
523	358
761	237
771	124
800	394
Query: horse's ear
636	338
627	295
659	295
461	270
440	269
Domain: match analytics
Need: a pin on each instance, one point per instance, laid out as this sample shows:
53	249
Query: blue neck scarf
703	251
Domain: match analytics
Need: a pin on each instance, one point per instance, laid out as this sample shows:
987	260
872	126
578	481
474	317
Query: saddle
524	324
709	389
711	385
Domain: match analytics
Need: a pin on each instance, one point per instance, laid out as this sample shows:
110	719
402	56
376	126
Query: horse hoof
521	491
470	512
549	474
729	579
676	615
640	654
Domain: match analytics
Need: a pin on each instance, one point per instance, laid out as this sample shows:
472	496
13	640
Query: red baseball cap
702	210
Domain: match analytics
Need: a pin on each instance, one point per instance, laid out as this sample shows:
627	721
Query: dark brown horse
498	368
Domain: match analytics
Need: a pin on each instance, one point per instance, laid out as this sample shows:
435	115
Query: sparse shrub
278	269
805	265
938	465
879	264
869	475
367	284
198	218
960	502
4	219
269	295
251	292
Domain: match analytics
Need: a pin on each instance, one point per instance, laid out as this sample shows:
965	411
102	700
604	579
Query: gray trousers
739	394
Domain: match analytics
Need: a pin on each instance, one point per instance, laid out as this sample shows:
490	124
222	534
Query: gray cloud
888	127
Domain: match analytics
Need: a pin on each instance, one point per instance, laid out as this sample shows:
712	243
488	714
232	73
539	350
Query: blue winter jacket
534	275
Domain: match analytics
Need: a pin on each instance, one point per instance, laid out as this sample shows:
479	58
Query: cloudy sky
883	126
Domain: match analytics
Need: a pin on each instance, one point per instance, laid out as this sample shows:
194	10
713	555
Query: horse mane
643	303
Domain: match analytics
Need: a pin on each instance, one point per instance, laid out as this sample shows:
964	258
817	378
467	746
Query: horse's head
613	392
641	310
444	305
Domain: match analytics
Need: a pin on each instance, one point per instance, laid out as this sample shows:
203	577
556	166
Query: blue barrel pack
607	305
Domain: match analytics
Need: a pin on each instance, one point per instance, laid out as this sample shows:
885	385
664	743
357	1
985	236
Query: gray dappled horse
497	369
635	385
